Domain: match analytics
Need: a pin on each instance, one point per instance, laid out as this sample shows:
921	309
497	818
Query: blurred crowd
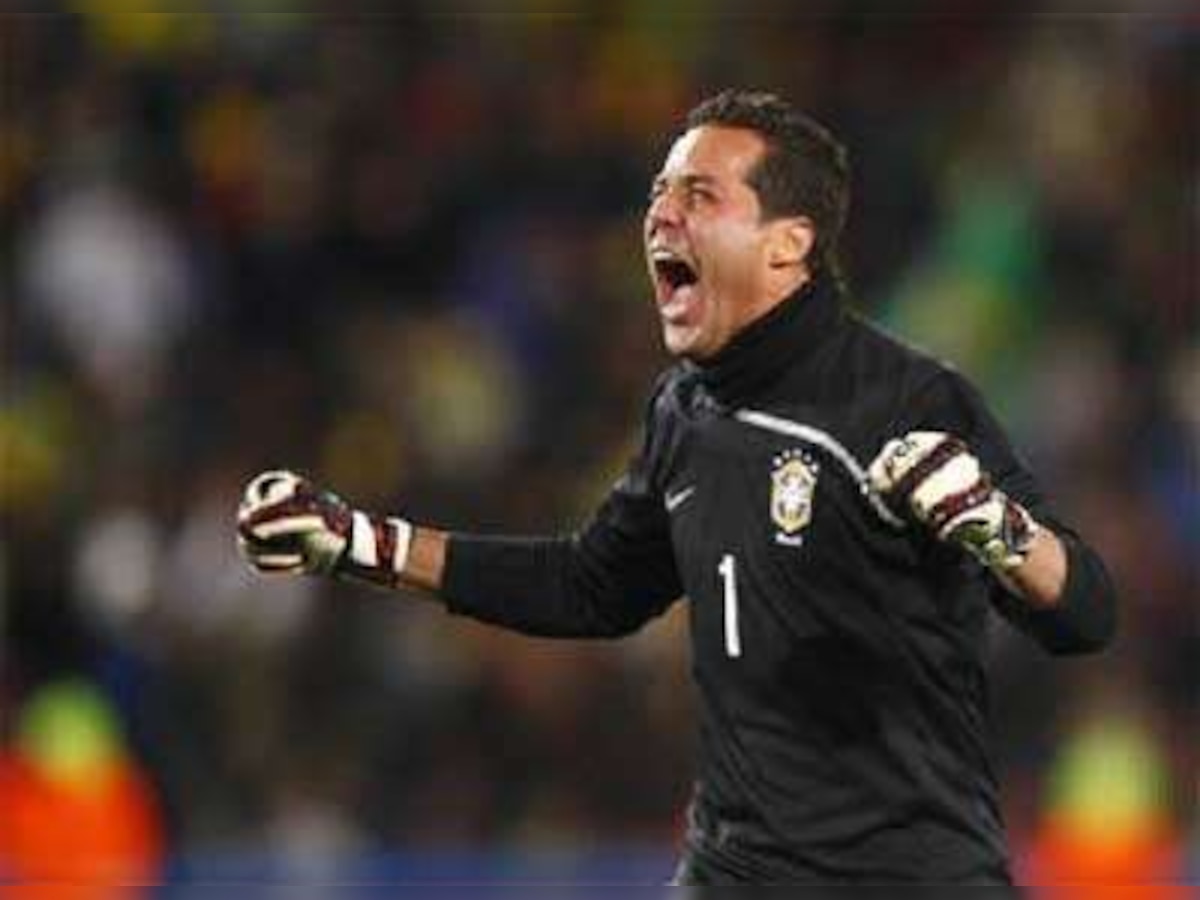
402	253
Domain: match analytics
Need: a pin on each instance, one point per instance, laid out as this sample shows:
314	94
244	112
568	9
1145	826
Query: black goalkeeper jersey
838	650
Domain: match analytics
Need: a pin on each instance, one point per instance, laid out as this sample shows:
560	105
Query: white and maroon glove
936	478
286	524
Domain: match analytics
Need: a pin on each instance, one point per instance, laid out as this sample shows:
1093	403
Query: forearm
1054	586
425	568
514	583
604	582
1042	576
543	586
1061	595
519	583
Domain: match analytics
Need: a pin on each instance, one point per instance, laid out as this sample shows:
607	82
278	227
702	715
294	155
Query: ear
791	241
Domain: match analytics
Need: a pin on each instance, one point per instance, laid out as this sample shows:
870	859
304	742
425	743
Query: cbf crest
793	480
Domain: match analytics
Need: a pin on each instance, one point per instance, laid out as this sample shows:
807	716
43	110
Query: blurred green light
69	732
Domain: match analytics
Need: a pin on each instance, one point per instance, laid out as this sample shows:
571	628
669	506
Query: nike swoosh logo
673	501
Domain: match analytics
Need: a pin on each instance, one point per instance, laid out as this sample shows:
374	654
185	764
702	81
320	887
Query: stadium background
401	252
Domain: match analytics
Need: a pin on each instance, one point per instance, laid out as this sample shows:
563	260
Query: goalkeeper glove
941	483
286	524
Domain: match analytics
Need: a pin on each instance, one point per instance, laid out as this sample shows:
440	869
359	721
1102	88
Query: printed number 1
728	572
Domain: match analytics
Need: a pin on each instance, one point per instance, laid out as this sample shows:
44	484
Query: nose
664	209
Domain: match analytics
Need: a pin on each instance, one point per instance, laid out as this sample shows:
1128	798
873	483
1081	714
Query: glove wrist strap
377	550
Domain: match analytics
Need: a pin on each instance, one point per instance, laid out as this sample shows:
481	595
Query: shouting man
840	511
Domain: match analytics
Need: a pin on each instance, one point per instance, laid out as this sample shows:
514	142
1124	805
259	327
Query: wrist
377	549
1002	538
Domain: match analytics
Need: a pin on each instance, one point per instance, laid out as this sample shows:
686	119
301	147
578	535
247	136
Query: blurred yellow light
1109	782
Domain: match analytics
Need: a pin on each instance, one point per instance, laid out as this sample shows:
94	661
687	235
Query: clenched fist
286	524
939	481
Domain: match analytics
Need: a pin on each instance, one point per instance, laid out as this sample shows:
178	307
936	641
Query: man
838	608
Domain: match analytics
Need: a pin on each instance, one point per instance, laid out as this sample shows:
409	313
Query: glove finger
287	526
953	510
270	558
250	549
251	546
952	481
269	489
879	472
912	467
300	504
898	456
259	508
279	562
275	484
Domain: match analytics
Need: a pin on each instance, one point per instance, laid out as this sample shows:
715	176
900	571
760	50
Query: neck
775	293
787	332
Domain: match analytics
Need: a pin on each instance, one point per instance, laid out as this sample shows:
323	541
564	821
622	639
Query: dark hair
804	171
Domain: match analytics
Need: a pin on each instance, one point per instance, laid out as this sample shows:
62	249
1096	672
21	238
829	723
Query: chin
678	343
684	344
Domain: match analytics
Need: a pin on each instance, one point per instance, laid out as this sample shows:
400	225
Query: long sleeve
1084	620
607	580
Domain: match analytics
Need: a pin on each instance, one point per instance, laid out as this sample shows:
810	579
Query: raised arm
956	475
603	581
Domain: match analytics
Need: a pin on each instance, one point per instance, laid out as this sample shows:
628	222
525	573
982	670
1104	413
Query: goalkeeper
840	510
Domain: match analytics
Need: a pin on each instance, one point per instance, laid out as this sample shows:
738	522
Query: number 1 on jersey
728	572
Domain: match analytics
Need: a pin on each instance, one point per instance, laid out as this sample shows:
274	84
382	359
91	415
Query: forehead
719	152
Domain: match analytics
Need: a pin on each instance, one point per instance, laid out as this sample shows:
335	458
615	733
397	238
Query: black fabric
838	654
763	351
713	857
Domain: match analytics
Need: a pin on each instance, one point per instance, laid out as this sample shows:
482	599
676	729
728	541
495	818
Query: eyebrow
686	180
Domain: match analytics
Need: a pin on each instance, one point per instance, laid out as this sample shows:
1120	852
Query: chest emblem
793	480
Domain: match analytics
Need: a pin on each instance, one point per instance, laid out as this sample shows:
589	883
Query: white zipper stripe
827	442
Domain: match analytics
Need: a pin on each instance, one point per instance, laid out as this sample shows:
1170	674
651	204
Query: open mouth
673	274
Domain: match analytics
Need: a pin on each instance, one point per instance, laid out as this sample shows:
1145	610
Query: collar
761	352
